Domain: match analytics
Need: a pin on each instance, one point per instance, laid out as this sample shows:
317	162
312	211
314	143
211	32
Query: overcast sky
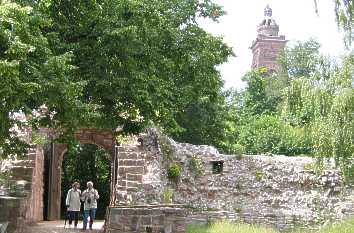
297	20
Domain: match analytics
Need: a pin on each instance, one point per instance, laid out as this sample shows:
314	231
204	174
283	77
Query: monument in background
268	45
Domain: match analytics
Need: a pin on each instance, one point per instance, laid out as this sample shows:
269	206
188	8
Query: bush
238	149
268	133
294	141
167	196
262	134
174	172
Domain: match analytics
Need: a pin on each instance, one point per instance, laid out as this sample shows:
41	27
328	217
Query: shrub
259	175
174	172
261	134
238	149
294	141
268	133
167	196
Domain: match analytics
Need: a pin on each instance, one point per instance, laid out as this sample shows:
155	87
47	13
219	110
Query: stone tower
268	44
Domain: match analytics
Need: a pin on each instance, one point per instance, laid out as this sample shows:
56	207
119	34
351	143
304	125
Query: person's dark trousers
74	215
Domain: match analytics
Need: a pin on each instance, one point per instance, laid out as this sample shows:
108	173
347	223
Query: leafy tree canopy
106	63
344	10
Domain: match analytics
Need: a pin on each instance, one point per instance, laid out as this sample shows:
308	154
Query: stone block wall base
145	219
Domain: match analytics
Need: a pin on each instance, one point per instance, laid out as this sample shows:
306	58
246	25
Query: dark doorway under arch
54	156
87	162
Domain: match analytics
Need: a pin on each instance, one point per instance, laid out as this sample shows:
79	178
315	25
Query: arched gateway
53	166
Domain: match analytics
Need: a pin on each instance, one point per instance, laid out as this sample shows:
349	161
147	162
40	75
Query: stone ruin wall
21	197
274	190
21	193
279	191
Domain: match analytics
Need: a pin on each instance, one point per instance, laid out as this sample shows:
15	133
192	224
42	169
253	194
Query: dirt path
58	227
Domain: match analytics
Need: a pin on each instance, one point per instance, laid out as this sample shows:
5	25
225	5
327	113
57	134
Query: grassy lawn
227	227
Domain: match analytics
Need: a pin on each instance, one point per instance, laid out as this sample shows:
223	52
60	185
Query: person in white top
89	197
73	203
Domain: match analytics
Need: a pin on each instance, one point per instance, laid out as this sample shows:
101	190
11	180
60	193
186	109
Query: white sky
297	21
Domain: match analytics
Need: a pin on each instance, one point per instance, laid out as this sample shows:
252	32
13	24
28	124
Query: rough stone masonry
274	190
280	191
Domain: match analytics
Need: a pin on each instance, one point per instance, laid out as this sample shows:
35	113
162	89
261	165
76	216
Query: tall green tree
142	60
256	100
325	108
344	10
203	121
300	59
108	63
32	75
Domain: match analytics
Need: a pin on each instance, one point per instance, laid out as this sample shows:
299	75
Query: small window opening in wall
218	167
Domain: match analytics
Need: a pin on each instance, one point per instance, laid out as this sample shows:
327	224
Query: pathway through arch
58	227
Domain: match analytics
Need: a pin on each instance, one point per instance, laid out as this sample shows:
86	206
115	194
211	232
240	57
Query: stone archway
102	138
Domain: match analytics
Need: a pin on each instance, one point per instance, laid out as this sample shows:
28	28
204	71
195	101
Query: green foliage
233	120
106	63
324	107
152	52
270	134
4	177
259	175
238	149
174	172
167	196
341	227
83	163
300	59
32	75
316	167
228	227
38	139
196	166
261	135
344	16
305	109
256	101
345	226
203	121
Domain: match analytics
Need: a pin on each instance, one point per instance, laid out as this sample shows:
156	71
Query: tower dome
268	26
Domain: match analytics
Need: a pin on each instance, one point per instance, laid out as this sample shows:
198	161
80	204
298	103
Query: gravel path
58	227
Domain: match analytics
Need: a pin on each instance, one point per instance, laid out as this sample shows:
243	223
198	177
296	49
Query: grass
343	227
228	227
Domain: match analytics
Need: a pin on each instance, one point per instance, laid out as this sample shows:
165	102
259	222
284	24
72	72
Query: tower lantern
268	45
